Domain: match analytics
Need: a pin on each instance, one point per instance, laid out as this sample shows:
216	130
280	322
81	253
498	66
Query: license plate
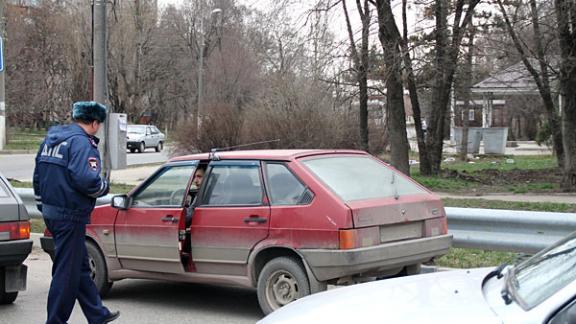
391	233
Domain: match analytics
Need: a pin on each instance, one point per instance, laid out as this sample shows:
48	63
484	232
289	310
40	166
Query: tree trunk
390	40
412	88
467	84
442	85
446	61
565	12
360	61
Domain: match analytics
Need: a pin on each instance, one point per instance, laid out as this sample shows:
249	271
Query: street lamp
214	12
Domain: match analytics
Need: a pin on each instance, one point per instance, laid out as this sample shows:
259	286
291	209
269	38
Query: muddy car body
286	222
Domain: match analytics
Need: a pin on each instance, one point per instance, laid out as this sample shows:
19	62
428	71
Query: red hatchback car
286	222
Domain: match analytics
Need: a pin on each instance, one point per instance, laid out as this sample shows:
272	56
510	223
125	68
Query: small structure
489	109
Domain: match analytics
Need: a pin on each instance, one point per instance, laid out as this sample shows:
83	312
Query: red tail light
359	237
15	230
47	233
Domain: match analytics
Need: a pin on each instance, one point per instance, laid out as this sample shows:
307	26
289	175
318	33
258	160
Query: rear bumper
134	145
47	244
332	264
14	252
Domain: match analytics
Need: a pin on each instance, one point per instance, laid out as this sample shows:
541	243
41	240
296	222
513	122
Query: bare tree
391	42
360	61
447	48
541	75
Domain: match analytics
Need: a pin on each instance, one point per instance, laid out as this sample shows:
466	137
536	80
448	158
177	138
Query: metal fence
488	229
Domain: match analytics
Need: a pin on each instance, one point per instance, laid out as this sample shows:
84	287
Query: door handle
255	219
170	219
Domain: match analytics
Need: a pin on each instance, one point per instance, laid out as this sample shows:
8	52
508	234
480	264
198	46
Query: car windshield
133	129
536	279
360	177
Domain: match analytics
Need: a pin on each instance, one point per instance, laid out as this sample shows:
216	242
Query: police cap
88	111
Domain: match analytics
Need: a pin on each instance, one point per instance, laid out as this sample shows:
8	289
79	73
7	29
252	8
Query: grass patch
510	205
474	258
528	162
442	184
517	174
24	139
37	225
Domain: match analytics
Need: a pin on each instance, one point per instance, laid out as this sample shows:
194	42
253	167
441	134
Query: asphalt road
21	166
139	301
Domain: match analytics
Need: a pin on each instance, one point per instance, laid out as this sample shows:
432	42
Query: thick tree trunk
566	12
390	40
569	134
446	61
363	74
412	88
466	85
442	85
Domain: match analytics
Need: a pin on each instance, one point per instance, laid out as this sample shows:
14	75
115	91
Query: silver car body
148	134
442	297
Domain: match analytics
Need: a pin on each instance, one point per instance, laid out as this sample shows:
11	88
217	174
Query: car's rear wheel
159	147
5	297
98	269
282	281
141	147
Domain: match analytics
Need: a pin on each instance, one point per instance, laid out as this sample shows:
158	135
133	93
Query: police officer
67	182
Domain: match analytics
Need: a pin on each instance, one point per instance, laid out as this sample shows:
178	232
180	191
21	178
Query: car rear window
134	129
360	177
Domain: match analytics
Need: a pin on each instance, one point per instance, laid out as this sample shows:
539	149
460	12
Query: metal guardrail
508	230
488	229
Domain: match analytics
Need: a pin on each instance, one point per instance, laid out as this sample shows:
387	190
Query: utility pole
100	88
203	51
2	78
200	79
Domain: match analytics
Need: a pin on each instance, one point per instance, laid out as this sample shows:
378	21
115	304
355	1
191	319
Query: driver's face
198	177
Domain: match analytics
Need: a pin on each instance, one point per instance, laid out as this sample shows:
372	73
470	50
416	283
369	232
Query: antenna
230	148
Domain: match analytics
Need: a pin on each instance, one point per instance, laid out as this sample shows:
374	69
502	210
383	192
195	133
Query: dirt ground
491	180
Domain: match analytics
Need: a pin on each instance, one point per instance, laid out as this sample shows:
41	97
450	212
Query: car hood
441	297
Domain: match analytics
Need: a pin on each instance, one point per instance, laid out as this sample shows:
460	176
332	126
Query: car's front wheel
282	281
159	147
141	147
5	297
98	270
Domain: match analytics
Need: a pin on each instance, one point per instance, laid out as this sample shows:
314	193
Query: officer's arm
84	169
36	181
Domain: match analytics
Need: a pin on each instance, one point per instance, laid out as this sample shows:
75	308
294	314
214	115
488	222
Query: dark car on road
15	243
286	222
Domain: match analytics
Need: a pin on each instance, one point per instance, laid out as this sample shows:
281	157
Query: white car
141	137
541	289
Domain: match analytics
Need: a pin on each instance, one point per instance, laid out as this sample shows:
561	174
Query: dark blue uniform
67	182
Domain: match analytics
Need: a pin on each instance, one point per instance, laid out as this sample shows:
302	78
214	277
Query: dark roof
513	80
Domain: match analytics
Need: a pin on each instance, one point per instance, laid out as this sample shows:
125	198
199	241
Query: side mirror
120	202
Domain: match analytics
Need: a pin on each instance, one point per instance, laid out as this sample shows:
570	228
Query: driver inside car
192	194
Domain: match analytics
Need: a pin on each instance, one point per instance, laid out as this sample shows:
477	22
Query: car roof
284	155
